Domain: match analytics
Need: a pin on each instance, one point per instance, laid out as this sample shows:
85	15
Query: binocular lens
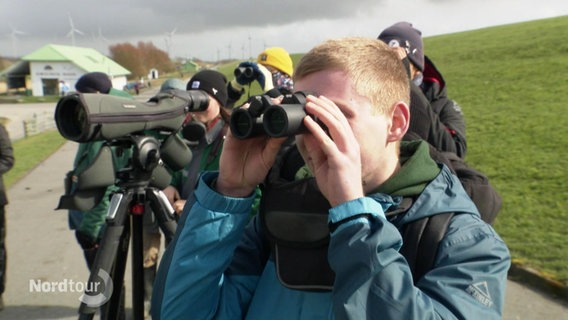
247	71
284	120
265	117
241	123
276	122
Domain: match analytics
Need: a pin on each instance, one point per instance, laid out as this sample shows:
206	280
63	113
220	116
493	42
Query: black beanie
94	82
403	34
212	82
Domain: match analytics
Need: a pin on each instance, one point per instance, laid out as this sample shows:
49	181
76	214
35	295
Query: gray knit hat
403	34
172	84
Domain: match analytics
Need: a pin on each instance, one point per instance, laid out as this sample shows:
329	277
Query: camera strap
215	139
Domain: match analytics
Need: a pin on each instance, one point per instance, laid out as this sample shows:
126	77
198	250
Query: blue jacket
216	267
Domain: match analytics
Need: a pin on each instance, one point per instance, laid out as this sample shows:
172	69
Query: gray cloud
219	28
49	19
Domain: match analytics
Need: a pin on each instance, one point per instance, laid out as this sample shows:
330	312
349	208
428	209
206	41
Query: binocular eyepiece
275	120
246	72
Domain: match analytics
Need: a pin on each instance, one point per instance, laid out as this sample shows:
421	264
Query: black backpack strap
420	242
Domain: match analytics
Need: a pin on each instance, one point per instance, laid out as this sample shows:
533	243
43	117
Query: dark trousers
2	249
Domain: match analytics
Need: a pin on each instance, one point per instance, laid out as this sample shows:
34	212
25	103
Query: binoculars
263	117
246	72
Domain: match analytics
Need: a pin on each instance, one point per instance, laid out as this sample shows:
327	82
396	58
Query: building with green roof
52	64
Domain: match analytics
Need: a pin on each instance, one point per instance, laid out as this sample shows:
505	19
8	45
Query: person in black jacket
434	88
6	163
443	126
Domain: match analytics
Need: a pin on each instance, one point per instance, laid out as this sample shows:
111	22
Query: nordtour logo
94	293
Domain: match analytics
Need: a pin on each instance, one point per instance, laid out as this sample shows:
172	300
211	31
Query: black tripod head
150	158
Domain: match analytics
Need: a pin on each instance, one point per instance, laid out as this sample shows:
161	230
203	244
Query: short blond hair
375	69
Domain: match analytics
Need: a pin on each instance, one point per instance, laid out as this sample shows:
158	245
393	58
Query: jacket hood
433	84
444	194
431	185
416	171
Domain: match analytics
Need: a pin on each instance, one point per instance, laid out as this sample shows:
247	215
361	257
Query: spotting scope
84	117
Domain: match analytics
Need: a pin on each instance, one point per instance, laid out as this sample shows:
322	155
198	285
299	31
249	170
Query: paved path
41	249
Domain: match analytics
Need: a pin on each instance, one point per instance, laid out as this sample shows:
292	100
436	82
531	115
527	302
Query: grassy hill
511	85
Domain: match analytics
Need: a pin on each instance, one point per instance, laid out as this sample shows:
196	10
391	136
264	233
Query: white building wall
65	71
119	82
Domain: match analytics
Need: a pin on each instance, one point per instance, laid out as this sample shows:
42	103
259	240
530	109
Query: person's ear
400	121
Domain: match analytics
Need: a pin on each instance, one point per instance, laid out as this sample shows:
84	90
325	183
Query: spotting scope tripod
136	190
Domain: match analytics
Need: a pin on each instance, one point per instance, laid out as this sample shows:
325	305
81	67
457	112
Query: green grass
511	84
31	151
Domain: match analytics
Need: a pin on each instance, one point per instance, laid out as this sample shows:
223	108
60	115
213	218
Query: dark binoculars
247	72
275	120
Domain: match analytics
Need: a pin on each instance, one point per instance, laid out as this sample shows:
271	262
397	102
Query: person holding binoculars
327	246
205	131
273	70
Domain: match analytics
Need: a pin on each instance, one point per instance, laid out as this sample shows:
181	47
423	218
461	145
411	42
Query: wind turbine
14	35
168	39
100	39
73	30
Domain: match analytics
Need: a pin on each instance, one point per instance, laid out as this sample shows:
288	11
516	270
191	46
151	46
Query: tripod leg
137	267
115	308
107	265
163	212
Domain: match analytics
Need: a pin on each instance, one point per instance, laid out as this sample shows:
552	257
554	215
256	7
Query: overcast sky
220	29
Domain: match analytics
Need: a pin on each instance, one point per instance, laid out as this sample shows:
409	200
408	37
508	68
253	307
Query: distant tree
156	58
128	56
6	62
141	58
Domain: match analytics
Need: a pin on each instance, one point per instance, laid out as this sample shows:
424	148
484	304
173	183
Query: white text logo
94	294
